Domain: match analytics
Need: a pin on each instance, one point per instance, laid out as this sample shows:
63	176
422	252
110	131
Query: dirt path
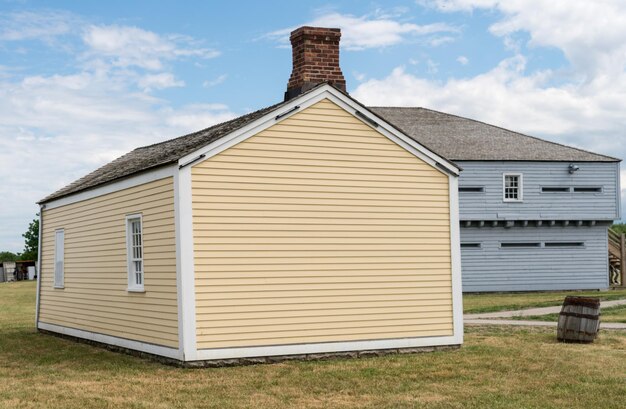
495	318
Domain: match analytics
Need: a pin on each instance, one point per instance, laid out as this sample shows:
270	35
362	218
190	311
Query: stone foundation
219	363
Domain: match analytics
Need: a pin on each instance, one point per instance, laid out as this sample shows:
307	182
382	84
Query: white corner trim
455	250
179	292
111	340
184	239
305	101
39	266
324	347
618	189
128	182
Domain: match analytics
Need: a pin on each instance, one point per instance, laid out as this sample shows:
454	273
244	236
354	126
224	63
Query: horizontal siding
95	297
319	229
538	205
492	268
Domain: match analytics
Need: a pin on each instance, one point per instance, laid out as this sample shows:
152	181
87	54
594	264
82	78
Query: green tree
7	256
31	244
619	228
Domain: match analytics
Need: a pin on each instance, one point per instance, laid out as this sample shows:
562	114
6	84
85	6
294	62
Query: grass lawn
612	314
490	302
498	367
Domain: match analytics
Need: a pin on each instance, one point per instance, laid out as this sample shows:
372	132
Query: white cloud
28	25
506	96
160	81
131	46
440	40
199	116
590	33
582	105
55	129
359	76
214	82
432	67
463	60
358	33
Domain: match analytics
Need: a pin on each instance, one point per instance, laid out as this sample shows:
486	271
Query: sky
82	83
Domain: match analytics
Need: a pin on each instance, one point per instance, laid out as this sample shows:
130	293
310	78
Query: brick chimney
315	60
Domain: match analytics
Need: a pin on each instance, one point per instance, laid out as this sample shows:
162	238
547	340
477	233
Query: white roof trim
306	100
110	187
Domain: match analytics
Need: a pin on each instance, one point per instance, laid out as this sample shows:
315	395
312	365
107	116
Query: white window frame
520	187
133	285
59	259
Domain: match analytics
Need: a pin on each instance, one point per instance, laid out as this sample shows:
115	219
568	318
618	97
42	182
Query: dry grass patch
496	368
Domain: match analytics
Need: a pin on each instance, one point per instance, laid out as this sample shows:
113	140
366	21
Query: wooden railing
617	259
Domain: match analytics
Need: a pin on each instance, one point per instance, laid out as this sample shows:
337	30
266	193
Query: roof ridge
502	128
237	118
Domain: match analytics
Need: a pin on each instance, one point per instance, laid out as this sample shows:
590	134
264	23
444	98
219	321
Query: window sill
135	290
58	287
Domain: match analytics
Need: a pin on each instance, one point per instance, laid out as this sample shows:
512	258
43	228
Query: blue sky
83	82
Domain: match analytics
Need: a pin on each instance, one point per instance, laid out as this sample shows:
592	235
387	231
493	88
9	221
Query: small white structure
9	270
31	272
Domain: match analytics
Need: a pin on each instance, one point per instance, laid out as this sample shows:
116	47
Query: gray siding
492	268
537	205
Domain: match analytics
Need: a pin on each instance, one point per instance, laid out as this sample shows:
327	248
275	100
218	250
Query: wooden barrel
579	319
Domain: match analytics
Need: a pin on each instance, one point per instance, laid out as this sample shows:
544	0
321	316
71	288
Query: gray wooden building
534	214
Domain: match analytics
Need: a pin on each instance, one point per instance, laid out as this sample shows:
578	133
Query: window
588	189
134	249
512	187
519	245
471	245
555	189
471	189
59	258
564	244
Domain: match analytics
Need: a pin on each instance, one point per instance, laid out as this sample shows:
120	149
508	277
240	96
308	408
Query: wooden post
622	261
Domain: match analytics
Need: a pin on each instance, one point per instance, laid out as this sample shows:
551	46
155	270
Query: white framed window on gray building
512	187
134	251
59	258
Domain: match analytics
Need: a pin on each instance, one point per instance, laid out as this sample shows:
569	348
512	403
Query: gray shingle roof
458	138
450	136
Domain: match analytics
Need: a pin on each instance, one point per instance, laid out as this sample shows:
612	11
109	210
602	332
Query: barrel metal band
578	315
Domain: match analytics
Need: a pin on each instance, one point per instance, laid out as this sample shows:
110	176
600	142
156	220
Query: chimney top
315	53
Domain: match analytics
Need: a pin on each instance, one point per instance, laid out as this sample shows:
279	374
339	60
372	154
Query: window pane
512	186
135	253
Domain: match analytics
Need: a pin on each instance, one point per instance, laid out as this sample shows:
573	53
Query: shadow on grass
25	348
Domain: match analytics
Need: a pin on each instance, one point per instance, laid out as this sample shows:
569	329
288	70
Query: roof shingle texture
458	138
450	136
